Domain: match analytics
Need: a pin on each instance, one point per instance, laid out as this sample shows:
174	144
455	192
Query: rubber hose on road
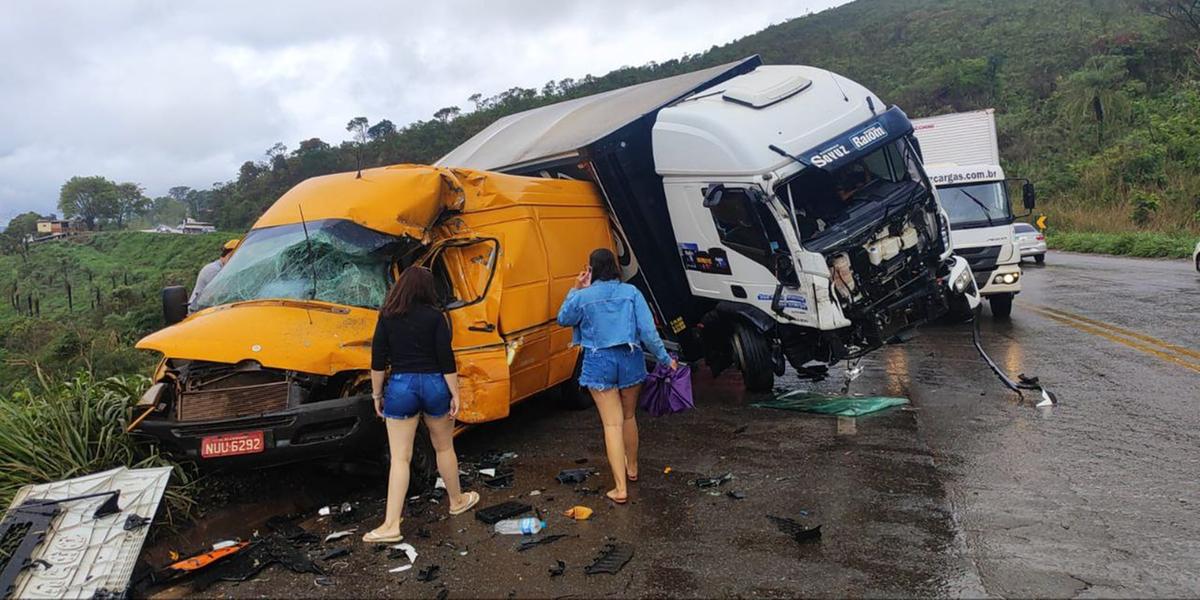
1027	383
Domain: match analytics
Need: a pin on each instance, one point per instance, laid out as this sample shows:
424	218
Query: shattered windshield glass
349	264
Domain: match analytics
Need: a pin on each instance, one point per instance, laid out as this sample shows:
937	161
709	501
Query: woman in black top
413	338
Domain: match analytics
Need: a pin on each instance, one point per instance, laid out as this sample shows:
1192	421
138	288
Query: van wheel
571	395
1001	305
753	355
423	466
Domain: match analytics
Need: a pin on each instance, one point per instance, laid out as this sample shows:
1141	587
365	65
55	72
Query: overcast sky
168	93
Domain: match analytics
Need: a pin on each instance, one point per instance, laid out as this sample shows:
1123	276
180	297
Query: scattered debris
428	574
579	513
289	530
224	544
558	569
573	475
667	471
522	526
262	553
707	482
323	580
337	535
440	484
736	495
335	553
400	569
442	595
542	541
202	560
326	511
798	532
741	429
844	406
501	478
535	493
581	461
611	560
488	472
498	512
409	551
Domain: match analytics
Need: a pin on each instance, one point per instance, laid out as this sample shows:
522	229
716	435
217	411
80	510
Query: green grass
1134	243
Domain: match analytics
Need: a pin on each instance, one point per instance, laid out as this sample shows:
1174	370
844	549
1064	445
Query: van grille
232	402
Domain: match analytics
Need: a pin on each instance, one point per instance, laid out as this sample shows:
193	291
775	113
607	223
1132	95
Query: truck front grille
233	402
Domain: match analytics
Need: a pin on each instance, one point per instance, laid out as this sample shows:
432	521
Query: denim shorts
616	367
407	394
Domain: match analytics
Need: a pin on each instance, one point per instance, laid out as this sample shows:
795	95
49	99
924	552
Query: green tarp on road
842	406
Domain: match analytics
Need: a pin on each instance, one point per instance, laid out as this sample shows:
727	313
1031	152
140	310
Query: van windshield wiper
987	214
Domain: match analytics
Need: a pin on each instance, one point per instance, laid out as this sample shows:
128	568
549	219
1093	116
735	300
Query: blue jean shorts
616	367
407	394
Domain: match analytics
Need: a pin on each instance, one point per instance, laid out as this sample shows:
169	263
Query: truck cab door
469	286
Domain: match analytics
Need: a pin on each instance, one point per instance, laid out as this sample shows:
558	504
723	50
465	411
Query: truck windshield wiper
784	153
987	214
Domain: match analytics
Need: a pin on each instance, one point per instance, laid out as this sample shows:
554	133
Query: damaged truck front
273	365
773	214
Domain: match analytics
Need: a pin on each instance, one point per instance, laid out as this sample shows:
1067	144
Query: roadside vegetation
1143	244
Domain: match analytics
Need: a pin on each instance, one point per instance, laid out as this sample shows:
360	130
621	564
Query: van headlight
962	281
1006	278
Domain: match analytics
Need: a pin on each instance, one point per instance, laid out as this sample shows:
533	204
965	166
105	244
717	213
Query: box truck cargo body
771	214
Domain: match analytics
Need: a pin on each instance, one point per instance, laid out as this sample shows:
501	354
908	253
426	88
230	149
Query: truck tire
1001	305
422	474
752	352
174	304
571	395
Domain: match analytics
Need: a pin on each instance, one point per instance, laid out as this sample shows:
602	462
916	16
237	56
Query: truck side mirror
1028	196
174	304
713	196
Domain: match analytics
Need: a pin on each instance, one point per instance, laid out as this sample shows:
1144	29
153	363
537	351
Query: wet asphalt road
970	491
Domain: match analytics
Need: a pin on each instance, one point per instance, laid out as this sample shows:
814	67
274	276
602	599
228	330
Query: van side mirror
713	196
1028	195
174	304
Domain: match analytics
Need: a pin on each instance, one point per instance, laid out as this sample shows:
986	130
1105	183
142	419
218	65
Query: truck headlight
1006	278
962	281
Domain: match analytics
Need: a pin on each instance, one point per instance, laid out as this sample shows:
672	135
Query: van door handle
482	326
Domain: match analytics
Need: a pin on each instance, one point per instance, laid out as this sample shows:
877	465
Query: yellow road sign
1041	222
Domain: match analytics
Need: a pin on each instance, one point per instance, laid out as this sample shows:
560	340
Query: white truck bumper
995	283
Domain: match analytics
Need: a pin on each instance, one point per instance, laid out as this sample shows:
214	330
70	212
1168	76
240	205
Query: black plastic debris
498	512
335	553
581	461
573	475
428	574
247	564
323	581
707	482
741	429
423	534
611	560
502	479
799	532
736	495
287	528
442	595
540	541
558	569
136	521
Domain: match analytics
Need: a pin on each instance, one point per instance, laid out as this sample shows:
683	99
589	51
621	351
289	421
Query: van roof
407	199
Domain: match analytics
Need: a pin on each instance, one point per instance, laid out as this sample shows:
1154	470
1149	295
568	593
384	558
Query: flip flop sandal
473	499
615	500
632	477
371	537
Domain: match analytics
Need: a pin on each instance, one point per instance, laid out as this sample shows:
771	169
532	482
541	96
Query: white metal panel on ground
967	138
562	129
87	555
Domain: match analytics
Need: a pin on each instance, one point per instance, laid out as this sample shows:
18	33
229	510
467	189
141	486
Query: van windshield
349	265
976	204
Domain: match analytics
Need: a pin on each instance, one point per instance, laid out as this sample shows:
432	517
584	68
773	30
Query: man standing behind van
207	272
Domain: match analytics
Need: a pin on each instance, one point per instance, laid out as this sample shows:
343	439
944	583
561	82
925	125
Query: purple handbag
667	391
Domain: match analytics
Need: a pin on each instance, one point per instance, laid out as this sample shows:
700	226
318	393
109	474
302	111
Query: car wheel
1040	259
753	355
1001	305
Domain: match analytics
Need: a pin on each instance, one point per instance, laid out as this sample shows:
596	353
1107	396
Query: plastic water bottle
525	526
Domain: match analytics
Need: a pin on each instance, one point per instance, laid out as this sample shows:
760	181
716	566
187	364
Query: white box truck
771	214
962	156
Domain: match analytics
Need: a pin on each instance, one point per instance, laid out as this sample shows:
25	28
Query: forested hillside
1097	100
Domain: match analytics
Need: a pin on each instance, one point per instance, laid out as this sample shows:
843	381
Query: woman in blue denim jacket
610	318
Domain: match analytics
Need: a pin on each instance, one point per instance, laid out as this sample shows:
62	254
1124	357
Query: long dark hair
604	265
413	288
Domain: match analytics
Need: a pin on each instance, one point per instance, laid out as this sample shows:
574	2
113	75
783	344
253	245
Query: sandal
472	500
371	537
616	500
631	477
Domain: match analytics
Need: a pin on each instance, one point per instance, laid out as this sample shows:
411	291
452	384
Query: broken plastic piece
400	569
535	493
440	484
337	535
335	553
502	479
579	513
200	561
224	544
667	471
844	406
428	573
708	482
736	495
136	521
542	541
573	475
488	472
611	560
558	569
408	550
798	532
323	580
498	512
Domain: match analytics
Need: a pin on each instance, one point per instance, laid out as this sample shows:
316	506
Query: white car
1196	257
1031	241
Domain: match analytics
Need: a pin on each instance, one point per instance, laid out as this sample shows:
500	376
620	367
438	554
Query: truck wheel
1040	259
753	355
571	395
1001	305
423	467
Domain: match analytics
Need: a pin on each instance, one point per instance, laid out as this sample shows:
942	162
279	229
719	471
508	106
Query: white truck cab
772	215
962	158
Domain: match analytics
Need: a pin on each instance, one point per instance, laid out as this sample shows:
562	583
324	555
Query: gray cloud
165	93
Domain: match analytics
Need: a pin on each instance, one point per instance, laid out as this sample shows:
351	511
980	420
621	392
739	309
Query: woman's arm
569	315
452	383
377	378
379	363
646	331
445	360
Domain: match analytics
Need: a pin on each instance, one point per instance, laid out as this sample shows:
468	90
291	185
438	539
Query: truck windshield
976	204
349	265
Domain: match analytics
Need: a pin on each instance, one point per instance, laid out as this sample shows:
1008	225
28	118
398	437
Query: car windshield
349	264
978	204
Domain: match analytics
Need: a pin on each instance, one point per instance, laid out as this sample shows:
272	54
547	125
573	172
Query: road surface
969	491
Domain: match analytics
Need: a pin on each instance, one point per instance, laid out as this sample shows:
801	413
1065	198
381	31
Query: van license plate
233	444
